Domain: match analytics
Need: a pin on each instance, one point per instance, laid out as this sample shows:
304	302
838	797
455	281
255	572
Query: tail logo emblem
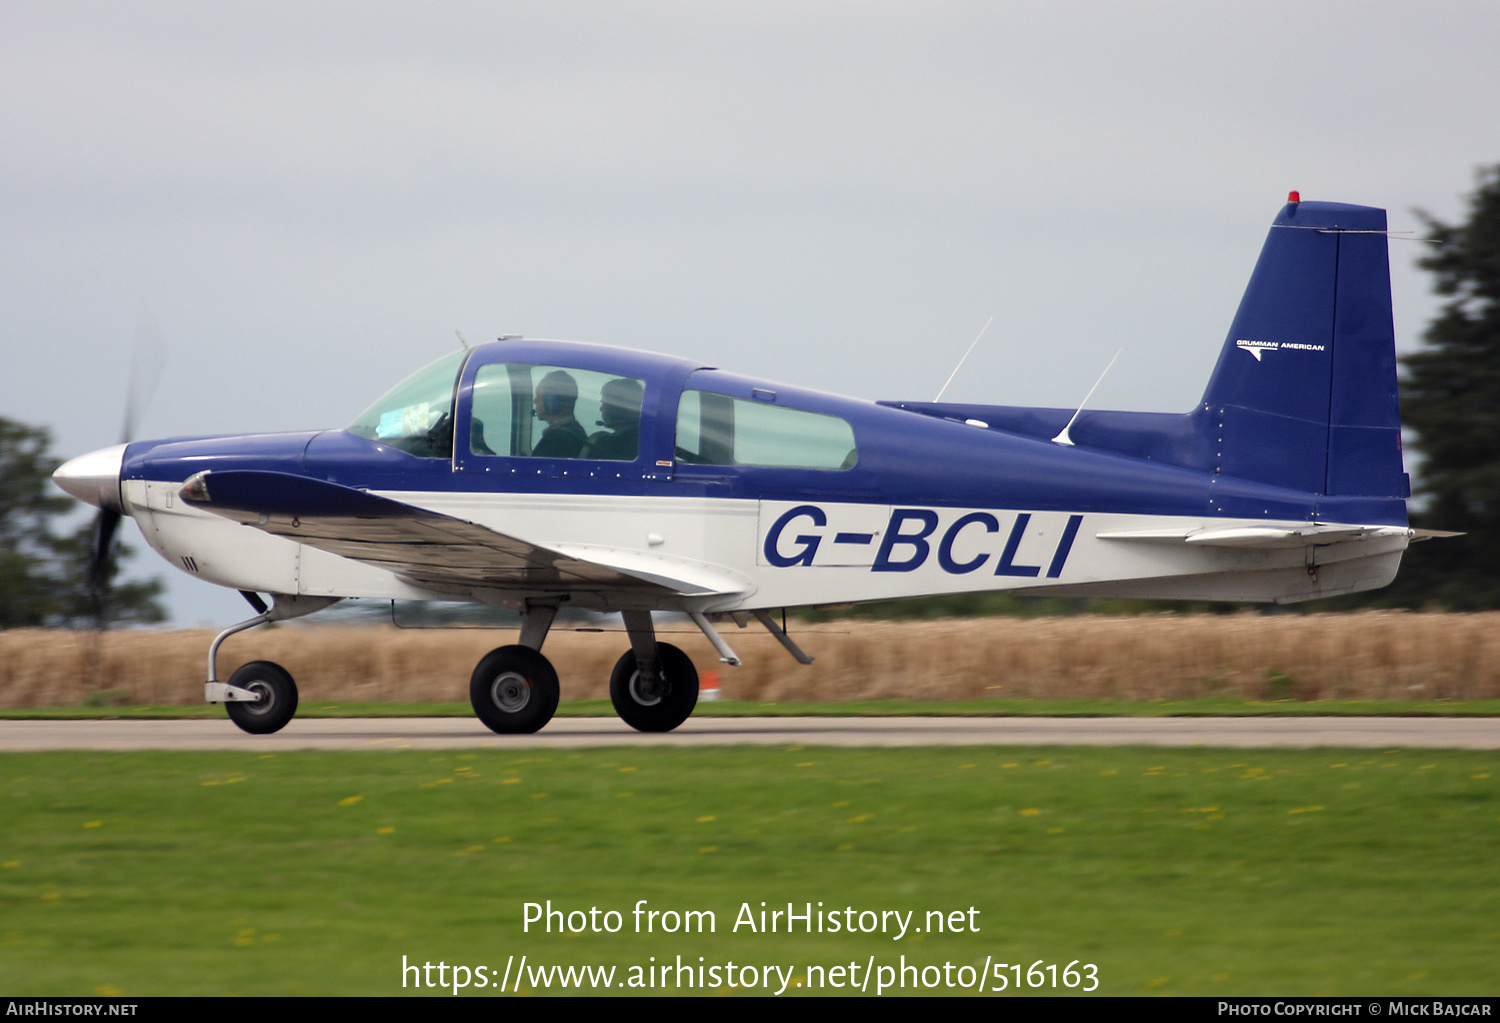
1257	348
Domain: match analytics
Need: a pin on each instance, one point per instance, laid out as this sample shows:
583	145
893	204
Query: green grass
1206	706
1191	871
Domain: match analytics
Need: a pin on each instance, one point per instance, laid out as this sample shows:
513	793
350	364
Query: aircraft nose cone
94	478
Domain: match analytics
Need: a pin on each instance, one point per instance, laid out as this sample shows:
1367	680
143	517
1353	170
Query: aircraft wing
436	551
1264	537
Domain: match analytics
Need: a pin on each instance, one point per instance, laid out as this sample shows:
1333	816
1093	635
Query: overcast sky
310	198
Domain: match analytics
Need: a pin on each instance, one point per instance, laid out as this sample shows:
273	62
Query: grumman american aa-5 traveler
541	473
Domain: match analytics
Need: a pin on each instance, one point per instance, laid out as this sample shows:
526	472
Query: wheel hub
265	698
647	692
511	692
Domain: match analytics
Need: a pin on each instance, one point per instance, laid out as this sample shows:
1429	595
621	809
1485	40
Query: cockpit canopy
532	407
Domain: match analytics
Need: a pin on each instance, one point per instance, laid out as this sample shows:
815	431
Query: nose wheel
277	698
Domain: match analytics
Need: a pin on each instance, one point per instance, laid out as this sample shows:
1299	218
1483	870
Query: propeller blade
105	524
148	358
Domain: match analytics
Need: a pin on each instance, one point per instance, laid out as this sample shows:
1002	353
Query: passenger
620	415
564	437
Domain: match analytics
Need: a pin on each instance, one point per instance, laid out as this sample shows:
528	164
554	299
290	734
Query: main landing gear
514	689
654	686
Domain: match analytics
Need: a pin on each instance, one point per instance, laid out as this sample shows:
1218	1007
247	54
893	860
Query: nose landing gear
261	696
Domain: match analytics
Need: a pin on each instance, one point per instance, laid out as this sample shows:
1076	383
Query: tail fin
1304	393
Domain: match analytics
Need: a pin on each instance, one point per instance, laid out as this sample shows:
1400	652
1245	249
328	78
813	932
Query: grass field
1173	871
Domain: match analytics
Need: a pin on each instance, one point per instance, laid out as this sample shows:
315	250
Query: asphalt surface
463	733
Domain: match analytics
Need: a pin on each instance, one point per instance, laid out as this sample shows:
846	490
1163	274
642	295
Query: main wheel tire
514	690
658	708
278	698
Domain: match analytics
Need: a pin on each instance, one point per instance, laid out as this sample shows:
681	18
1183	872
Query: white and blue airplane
538	474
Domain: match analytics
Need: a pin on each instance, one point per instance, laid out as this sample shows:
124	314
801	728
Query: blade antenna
461	339
966	355
1063	437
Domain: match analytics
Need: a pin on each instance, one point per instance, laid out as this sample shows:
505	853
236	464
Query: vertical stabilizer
1304	392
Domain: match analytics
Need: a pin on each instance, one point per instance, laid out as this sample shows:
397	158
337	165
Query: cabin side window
528	411
715	429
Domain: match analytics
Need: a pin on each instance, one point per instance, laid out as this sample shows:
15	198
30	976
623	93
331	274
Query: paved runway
463	733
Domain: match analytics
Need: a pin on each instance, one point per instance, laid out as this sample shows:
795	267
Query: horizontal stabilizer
1263	537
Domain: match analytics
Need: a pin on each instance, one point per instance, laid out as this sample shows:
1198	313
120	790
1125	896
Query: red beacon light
1294	196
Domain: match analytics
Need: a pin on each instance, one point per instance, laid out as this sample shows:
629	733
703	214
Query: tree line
44	565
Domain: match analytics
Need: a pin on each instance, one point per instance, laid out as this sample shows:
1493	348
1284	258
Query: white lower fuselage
768	554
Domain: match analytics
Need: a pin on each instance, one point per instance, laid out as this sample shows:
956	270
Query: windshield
416	416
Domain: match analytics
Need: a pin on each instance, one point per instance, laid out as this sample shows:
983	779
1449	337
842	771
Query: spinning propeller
95	477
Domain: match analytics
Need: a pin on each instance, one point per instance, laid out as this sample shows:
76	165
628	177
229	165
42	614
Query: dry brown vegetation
1370	655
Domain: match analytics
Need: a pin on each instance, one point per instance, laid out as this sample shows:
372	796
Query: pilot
564	437
620	415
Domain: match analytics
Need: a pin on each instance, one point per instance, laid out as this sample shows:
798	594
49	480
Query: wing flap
678	574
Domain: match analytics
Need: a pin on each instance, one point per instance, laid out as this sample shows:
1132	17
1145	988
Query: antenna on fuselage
1063	438
966	355
461	339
